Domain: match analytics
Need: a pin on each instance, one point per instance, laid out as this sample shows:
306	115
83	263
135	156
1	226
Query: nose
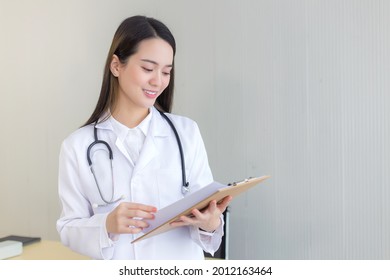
156	80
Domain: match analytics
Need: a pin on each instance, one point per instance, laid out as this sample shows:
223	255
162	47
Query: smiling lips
150	93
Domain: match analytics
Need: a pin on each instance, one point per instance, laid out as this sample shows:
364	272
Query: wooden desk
48	250
53	250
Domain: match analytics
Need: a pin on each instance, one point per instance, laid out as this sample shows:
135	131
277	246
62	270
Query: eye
147	69
166	73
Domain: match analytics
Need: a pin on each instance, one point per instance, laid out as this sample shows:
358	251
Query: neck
130	118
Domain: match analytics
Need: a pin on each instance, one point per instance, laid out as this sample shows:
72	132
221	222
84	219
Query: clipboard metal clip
243	181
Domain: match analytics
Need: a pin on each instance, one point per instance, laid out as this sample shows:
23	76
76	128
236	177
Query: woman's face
145	75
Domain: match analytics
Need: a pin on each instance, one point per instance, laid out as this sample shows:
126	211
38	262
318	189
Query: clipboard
200	200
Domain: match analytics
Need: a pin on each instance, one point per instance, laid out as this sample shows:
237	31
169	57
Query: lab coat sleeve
79	228
209	242
200	176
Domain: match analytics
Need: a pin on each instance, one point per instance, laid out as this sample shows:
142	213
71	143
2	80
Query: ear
115	65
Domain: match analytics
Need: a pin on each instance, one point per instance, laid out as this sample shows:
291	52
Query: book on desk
12	245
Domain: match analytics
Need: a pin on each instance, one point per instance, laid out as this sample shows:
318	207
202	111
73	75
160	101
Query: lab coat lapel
157	132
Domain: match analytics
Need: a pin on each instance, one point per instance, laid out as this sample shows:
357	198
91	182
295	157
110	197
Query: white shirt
132	138
154	180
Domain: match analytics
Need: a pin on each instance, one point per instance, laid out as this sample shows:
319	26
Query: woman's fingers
135	210
138	210
225	202
139	206
129	217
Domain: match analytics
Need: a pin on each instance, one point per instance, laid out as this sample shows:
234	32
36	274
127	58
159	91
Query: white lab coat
155	180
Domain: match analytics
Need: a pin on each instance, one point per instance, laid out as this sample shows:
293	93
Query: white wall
294	89
52	55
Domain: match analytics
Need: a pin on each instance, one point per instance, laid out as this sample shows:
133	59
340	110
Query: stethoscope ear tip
95	205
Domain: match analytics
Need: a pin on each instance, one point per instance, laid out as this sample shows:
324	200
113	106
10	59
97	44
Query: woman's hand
129	217
208	219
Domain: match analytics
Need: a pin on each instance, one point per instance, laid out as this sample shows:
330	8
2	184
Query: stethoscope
185	185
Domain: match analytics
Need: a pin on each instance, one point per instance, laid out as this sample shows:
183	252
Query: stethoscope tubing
185	185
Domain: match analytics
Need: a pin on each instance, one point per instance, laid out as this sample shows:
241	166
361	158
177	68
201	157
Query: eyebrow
155	63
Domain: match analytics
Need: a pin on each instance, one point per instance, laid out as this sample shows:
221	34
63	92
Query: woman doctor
104	210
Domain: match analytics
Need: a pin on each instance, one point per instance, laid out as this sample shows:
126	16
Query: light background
296	89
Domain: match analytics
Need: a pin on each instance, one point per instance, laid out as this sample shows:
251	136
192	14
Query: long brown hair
124	44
